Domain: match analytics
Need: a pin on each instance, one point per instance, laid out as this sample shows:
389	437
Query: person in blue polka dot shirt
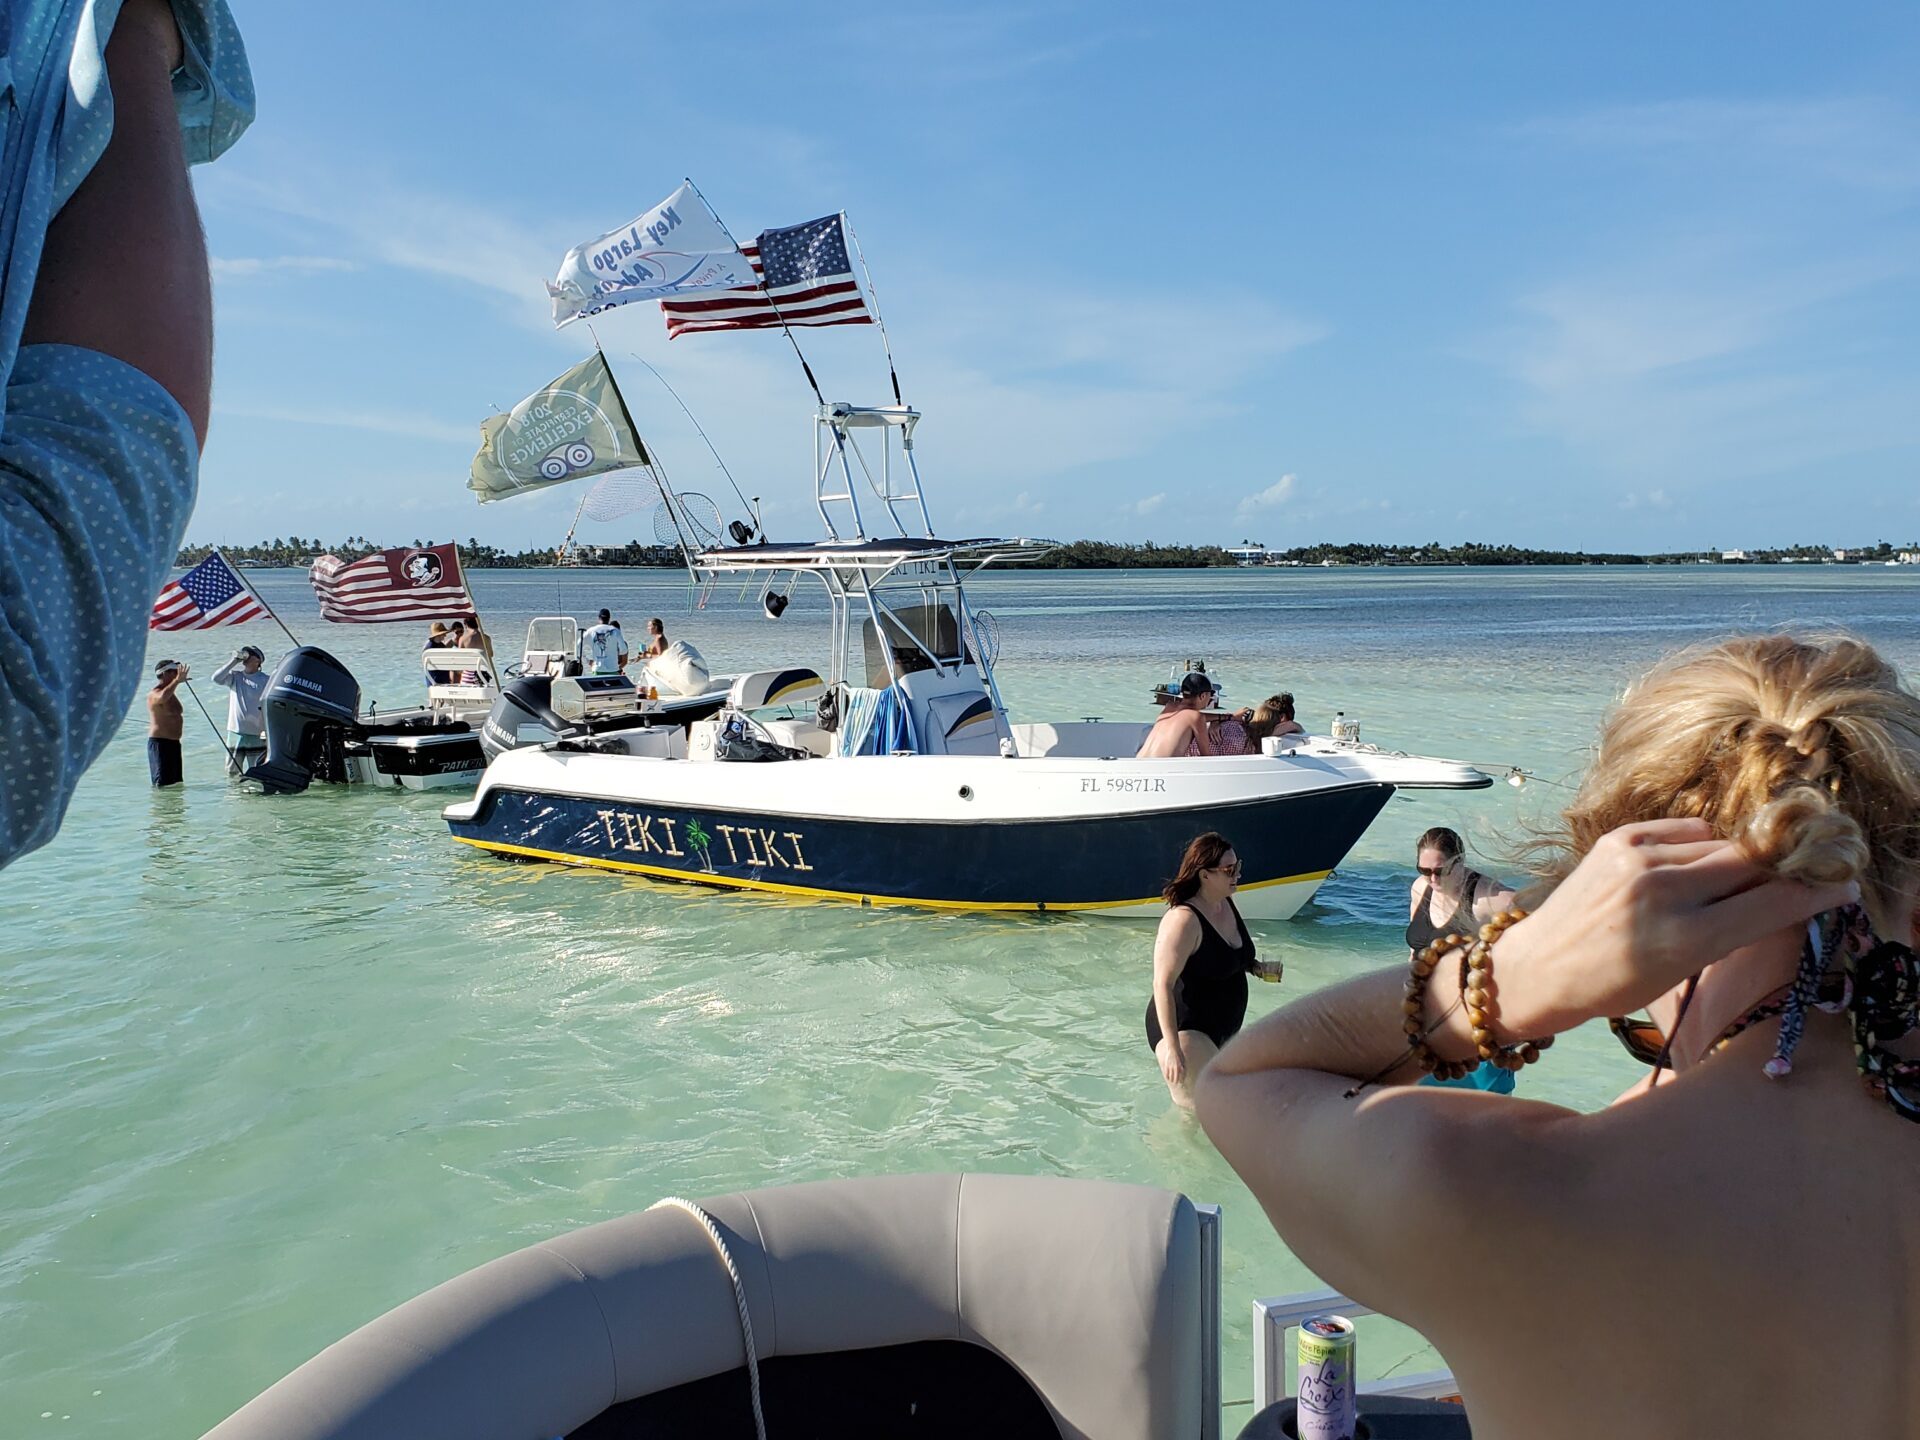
106	358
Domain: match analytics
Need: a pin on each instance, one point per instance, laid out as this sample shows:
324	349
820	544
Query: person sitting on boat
1274	716
473	637
1182	728
438	638
1241	734
460	638
1450	897
1727	1253
603	649
1202	955
246	722
656	640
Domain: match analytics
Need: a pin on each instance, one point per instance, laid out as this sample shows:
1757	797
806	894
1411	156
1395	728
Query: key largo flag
576	427
408	583
676	248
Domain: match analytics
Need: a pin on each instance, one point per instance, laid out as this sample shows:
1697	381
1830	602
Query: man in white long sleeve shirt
246	722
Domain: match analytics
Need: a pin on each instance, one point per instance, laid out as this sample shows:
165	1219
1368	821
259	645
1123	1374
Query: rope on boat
675	1202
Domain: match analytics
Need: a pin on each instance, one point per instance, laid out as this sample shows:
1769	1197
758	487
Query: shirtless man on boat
1182	726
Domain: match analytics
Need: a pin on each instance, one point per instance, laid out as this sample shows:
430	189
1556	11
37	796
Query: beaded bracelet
1482	1002
1414	1007
1477	991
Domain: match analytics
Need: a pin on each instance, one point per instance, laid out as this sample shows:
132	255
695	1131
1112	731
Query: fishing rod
750	506
218	733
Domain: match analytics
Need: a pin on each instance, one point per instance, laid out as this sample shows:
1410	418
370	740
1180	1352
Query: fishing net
986	637
623	492
691	517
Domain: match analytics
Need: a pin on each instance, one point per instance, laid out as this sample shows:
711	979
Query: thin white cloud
413	427
1866	142
241	266
1150	504
1732	316
1274	496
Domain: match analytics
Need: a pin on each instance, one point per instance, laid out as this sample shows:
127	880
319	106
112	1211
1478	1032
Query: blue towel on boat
892	723
858	706
98	463
874	722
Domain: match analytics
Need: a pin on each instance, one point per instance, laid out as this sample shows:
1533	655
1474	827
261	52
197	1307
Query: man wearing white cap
246	722
165	719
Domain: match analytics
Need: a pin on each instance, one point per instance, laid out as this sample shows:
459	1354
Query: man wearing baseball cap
1182	726
246	722
165	717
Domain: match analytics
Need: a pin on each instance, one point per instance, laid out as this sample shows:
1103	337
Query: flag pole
217	732
885	343
258	597
473	608
772	304
667	497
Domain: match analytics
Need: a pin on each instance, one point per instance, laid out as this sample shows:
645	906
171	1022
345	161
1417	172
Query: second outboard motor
523	715
310	707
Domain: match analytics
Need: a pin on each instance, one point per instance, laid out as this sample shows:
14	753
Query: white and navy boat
904	782
316	730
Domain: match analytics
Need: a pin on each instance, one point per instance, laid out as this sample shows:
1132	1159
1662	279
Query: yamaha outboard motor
526	702
310	708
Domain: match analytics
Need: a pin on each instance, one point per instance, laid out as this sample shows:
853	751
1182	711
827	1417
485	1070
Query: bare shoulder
1414	1192
1179	923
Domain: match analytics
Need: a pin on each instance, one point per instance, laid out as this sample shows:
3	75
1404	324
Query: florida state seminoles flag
402	584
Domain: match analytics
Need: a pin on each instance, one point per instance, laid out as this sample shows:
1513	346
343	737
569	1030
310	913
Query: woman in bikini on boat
1202	956
1728	1253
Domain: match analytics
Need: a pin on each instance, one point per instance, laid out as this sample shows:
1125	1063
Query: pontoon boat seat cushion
680	669
1090	1289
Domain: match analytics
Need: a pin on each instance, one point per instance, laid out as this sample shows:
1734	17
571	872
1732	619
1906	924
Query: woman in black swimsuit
1449	897
1200	975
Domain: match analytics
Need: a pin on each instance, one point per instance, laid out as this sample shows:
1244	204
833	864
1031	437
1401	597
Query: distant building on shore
1248	552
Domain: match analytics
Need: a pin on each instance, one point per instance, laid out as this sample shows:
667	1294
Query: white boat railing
1274	1322
1210	1398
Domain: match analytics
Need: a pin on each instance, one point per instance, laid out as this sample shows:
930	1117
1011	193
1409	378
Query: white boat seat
1093	1293
791	685
800	733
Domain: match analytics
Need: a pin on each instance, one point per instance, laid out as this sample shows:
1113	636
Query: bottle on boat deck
1328	1407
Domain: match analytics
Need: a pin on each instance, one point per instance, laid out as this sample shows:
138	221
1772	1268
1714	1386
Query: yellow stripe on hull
852	897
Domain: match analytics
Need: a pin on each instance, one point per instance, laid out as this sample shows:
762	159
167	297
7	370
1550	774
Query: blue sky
1610	276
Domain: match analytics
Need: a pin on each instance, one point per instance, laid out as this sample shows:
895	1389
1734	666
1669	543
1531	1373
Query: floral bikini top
1877	984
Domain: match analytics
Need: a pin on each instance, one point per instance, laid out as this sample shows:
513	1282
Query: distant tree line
1098	555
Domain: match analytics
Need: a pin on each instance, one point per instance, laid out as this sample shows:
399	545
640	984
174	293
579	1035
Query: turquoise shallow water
269	1066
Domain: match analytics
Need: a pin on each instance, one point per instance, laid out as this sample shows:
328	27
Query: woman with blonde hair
1729	1252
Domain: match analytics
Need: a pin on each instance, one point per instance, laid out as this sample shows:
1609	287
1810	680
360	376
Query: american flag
803	269
407	583
209	594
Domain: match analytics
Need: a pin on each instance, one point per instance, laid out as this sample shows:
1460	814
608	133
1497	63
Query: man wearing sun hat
246	722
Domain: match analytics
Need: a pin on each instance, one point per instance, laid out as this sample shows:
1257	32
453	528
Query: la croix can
1328	1407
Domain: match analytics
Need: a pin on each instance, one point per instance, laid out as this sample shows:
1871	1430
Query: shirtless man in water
165	717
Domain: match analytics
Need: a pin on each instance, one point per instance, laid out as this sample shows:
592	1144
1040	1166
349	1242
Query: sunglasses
1639	1037
1434	872
1232	872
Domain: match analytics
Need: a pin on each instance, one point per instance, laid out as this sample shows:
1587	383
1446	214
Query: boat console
580	698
